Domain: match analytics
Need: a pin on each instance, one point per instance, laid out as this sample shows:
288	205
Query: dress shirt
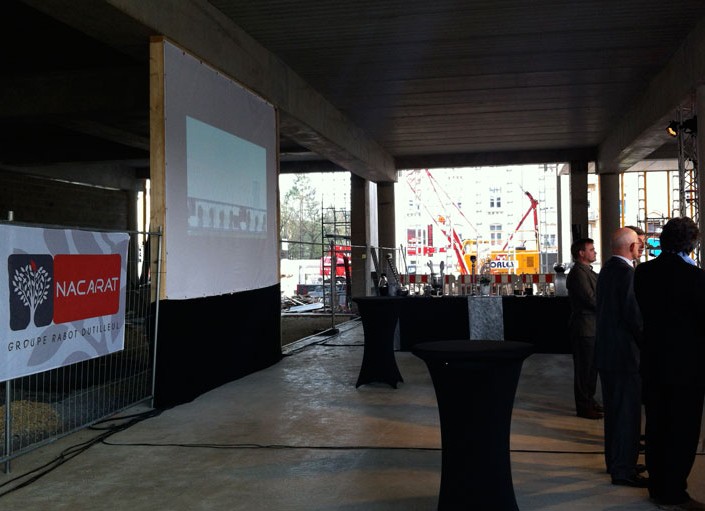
687	258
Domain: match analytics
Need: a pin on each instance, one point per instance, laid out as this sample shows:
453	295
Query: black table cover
475	384
379	319
539	320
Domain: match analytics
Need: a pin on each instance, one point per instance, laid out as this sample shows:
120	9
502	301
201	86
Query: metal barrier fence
491	284
55	403
390	261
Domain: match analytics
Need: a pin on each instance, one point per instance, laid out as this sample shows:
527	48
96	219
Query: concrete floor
299	437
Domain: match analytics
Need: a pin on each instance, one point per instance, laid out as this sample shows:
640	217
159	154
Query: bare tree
301	220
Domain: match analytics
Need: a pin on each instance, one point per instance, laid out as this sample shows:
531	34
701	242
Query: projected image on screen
226	183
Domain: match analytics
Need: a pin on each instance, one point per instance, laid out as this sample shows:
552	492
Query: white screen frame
210	265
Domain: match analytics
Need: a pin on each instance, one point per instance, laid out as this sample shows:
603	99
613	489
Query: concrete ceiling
473	82
424	84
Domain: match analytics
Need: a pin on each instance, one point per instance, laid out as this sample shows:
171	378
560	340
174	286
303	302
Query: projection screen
220	182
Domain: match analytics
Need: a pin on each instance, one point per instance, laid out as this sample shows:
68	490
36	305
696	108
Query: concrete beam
105	132
306	117
296	167
643	129
121	175
78	98
439	161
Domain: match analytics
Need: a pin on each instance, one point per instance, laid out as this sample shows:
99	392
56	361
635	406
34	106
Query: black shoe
635	481
590	414
598	408
640	469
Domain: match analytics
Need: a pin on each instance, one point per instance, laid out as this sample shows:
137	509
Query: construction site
460	231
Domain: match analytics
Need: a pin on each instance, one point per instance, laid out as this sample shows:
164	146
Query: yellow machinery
506	261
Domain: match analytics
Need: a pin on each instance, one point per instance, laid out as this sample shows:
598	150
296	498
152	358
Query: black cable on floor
341	345
323	342
340	448
274	446
326	447
77	449
71	452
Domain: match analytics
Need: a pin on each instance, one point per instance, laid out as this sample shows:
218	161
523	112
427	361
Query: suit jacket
619	324
671	294
581	283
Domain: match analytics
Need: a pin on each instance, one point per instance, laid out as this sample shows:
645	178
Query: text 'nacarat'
87	287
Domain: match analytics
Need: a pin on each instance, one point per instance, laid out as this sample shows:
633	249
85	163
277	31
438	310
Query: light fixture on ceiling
689	126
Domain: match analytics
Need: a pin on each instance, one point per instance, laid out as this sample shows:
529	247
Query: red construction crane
454	241
532	207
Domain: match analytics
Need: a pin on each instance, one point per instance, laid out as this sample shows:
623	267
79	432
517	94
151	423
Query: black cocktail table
379	320
475	384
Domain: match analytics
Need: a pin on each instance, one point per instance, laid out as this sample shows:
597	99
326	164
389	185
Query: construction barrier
500	284
42	407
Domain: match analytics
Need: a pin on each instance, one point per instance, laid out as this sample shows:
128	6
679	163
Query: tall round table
475	384
379	320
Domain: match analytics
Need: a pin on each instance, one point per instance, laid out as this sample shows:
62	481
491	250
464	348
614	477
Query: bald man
618	335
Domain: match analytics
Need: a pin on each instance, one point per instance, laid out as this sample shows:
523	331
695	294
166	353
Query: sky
332	188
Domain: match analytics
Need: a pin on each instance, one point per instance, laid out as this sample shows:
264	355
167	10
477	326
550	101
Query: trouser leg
673	420
622	401
584	373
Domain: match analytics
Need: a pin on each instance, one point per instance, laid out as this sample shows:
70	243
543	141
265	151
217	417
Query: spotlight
689	126
672	128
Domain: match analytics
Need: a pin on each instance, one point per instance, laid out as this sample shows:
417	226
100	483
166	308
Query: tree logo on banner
31	287
32	284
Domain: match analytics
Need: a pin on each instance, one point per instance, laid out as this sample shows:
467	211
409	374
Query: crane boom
532	207
449	232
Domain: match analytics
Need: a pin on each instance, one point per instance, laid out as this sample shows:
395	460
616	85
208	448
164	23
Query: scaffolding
642	208
688	169
335	223
335	229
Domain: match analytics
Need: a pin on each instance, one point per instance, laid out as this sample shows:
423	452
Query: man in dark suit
581	283
618	334
671	294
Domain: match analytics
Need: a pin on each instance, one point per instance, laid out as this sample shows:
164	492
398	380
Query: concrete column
609	212
386	222
559	218
578	200
700	147
363	233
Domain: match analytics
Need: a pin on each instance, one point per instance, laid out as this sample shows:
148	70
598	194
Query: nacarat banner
64	299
